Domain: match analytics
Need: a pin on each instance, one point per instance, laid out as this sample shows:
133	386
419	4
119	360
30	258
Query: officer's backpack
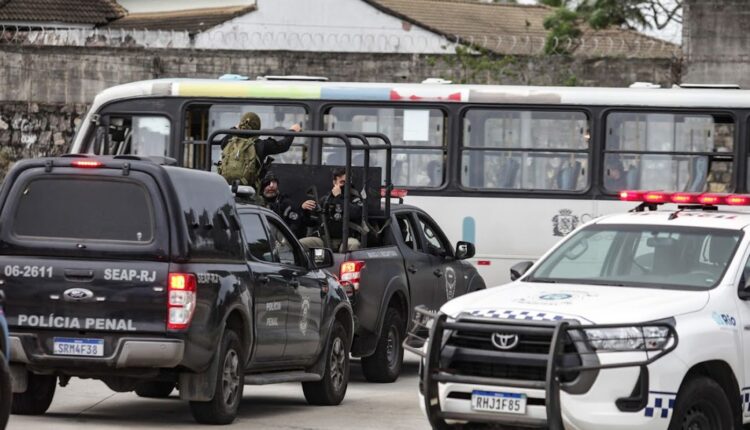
239	162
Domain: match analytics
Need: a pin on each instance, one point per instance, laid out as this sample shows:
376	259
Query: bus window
525	150
417	135
202	120
667	151
135	135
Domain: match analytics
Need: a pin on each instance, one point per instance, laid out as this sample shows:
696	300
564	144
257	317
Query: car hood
586	303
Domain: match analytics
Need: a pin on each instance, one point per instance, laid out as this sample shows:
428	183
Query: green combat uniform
239	158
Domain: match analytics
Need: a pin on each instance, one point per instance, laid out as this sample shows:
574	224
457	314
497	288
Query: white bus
510	168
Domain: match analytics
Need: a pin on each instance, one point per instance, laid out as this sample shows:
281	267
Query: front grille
471	352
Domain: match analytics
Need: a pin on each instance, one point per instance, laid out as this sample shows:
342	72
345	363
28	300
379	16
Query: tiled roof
191	20
515	29
93	12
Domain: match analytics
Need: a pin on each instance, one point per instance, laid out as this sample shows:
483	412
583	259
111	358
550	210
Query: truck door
417	263
744	322
447	271
270	291
304	288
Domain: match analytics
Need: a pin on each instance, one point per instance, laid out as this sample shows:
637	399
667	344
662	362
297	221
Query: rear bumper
128	353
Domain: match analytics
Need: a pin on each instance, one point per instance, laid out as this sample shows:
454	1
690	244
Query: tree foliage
570	15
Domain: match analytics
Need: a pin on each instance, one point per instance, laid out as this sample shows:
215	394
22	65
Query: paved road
86	404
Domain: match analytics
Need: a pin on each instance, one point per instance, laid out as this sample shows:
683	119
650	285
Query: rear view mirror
464	250
519	269
322	258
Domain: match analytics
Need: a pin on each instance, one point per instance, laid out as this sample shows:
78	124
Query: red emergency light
396	193
682	198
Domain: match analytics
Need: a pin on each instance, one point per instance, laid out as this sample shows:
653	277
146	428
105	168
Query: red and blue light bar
682	198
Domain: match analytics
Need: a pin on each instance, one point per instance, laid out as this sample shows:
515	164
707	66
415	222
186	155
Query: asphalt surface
87	404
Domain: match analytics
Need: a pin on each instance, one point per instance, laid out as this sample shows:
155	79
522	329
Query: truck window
84	208
406	229
284	249
435	243
256	238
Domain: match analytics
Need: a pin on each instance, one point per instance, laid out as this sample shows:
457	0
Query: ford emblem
78	294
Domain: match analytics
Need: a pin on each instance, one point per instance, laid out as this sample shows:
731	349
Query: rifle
324	231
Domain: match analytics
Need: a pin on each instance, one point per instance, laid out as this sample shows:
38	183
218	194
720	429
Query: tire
701	403
154	389
384	365
6	393
331	390
222	409
37	397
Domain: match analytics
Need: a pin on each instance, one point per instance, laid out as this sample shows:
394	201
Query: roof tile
93	12
191	20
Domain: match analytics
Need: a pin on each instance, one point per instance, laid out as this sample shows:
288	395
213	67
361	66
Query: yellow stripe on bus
242	89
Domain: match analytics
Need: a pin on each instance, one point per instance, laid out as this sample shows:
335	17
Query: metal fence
336	41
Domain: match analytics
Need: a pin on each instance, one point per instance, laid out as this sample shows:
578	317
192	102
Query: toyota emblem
504	341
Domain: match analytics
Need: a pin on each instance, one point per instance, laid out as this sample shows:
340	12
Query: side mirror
743	290
322	258
465	250
519	269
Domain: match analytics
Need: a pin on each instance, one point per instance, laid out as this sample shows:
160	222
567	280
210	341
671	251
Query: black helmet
267	179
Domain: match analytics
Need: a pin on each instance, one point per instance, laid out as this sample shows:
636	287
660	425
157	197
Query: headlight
636	338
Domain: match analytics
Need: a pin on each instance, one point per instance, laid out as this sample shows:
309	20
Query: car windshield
641	256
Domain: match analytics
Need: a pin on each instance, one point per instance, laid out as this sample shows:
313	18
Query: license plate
82	347
507	403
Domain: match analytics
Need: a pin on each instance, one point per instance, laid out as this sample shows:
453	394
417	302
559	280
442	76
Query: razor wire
638	46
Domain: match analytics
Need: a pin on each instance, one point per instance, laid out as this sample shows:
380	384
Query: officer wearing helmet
298	218
245	159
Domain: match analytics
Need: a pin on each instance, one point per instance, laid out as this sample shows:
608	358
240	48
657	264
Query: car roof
720	219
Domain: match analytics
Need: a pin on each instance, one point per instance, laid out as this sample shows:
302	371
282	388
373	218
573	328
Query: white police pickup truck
634	321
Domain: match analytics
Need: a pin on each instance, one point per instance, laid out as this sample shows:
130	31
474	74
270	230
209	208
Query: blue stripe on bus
469	230
354	93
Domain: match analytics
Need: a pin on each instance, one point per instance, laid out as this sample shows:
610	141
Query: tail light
350	274
182	298
87	164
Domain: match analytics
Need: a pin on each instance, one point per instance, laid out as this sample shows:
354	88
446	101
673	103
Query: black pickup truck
150	277
405	260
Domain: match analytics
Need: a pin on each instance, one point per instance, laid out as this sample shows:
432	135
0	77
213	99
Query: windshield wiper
541	280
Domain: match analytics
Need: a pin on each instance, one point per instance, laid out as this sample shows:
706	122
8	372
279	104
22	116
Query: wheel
384	365
5	391
37	397
331	389
222	409
154	389
702	405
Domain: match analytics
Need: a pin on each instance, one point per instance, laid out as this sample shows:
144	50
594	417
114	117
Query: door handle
438	273
79	275
412	268
263	279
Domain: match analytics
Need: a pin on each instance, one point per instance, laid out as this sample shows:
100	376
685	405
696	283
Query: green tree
564	24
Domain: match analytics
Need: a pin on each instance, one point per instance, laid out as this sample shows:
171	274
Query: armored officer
333	207
244	159
298	218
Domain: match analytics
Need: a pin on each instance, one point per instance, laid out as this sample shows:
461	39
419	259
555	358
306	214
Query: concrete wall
716	36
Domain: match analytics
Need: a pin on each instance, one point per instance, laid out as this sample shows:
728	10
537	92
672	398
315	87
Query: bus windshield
641	256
